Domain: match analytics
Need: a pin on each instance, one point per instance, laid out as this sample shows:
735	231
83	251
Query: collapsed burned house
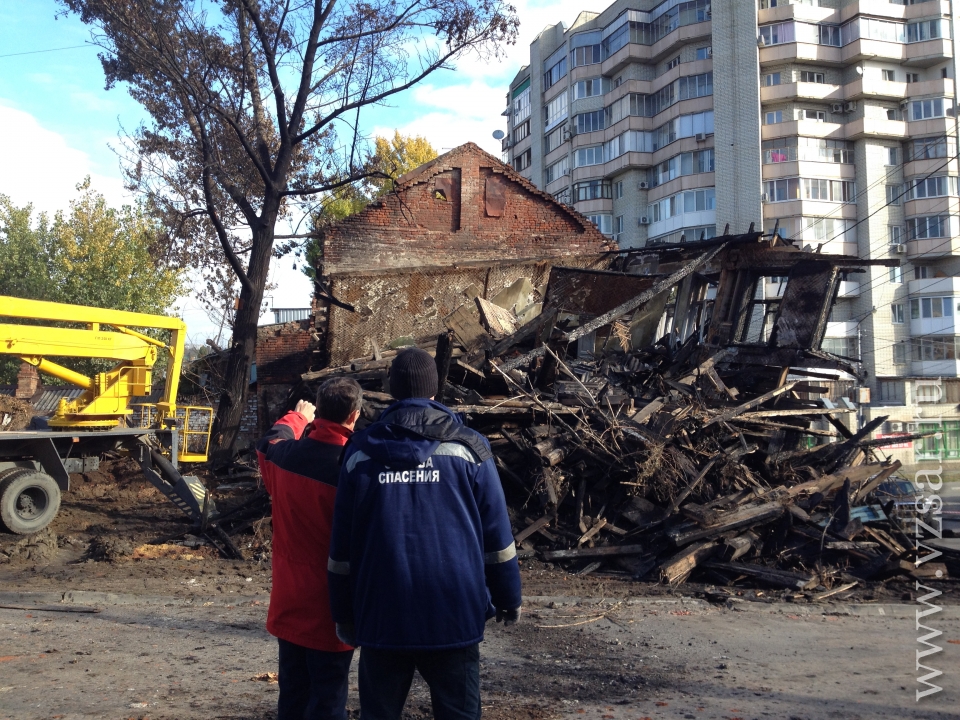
654	413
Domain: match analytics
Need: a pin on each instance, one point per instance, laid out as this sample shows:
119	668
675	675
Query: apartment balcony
809	208
678	222
886	90
928	53
939	166
806	128
849	289
935	286
932	206
810	169
800	52
592	207
867	49
629	160
869	127
842	329
935	368
922	327
931	248
820	92
934	126
805	13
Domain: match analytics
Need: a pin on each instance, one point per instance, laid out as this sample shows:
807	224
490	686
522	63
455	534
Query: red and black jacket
301	476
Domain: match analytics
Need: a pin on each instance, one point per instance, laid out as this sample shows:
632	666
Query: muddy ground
178	634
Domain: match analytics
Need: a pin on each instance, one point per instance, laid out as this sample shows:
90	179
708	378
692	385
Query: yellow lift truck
35	465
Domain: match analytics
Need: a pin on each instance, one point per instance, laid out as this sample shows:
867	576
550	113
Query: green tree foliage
91	254
392	158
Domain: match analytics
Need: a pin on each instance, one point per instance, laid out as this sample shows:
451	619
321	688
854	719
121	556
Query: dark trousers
452	675
313	683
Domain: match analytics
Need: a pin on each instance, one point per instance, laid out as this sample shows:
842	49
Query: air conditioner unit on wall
900	248
644	219
643	185
700	137
912	427
895	426
836	108
764	197
850	106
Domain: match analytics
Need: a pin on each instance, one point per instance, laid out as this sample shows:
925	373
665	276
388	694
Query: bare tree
254	107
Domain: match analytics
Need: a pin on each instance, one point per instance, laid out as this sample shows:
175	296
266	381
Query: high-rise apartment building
833	119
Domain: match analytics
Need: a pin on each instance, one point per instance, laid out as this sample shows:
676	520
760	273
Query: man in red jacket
301	474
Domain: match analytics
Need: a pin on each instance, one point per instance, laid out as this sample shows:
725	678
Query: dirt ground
178	633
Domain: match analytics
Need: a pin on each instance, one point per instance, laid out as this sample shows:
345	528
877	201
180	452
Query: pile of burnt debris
671	417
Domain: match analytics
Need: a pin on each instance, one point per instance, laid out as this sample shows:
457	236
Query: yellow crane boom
107	334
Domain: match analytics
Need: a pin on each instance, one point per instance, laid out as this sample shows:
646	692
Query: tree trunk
243	346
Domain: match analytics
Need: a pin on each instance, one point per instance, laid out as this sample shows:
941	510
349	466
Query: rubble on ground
15	414
670	418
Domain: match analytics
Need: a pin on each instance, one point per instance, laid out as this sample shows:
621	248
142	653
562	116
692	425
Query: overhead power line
34	52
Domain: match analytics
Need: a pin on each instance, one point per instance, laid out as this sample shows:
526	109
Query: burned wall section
284	351
413	303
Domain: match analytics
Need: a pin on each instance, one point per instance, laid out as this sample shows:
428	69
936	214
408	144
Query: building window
521	131
925	30
894	234
900	353
553	140
522	161
927	393
592	190
893	156
931	307
671	64
777	34
891	392
604	223
844	347
930	187
927	148
617	227
589	88
894	114
555	111
588	55
934	348
618	81
830	35
811	77
704	53
913	77
521	105
896	275
932	108
590	122
889	75
618	190
771	79
896	312
782	190
810	114
922	272
795	148
830	190
893	194
557	170
555	73
588	156
935	226
774	117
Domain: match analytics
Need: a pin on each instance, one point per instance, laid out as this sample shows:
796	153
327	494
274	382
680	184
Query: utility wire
34	52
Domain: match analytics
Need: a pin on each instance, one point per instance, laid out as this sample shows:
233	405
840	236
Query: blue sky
58	123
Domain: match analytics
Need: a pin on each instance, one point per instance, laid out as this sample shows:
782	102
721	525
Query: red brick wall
283	351
414	227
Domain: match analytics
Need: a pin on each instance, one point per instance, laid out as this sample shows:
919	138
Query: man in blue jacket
422	553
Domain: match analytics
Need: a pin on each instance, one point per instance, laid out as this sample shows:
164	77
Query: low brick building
460	225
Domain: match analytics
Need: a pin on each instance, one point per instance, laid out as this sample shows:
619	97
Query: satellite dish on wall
498	134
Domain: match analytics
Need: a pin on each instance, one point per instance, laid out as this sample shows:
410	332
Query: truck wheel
29	500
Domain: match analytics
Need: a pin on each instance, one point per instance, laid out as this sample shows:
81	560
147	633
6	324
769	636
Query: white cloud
468	106
39	167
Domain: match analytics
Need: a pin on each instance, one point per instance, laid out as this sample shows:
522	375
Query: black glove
347	634
508	617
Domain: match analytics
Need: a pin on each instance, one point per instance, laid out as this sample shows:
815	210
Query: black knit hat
413	374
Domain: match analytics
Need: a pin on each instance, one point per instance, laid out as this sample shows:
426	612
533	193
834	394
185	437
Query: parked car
901	498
